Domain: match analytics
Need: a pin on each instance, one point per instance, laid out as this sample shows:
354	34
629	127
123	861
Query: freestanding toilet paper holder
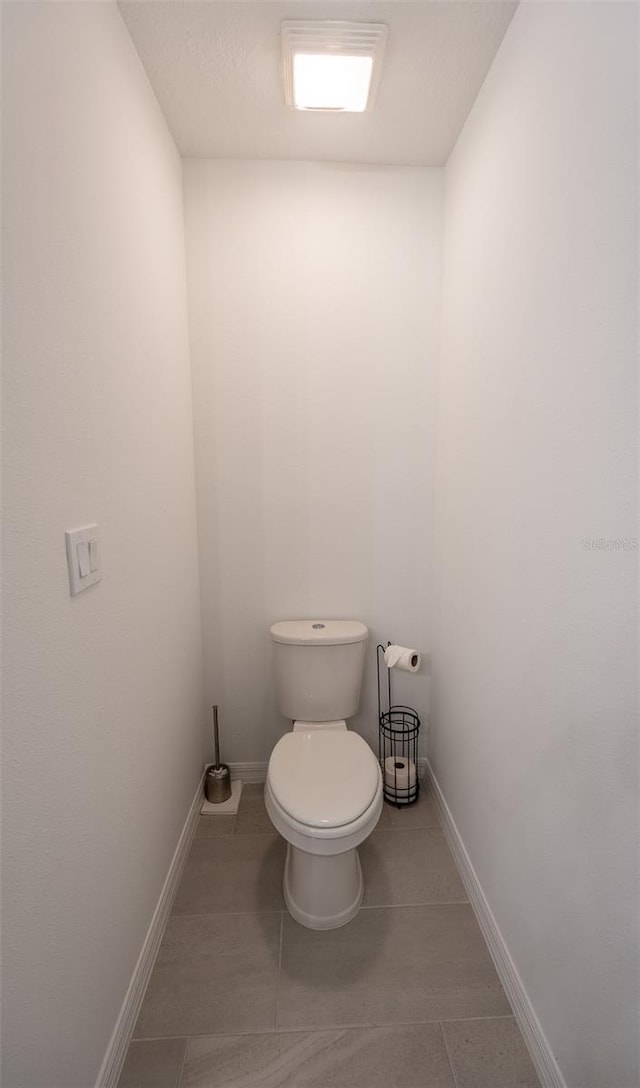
398	731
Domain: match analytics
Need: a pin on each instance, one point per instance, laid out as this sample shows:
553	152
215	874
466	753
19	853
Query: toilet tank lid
319	632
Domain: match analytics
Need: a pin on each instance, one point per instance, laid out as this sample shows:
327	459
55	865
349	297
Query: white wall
102	748
534	739
314	293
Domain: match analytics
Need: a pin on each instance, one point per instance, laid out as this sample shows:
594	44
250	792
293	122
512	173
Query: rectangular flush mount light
332	65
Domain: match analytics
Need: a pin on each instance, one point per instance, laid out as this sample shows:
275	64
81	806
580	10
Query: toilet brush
217	783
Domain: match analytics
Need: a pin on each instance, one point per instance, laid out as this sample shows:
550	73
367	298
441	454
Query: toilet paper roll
399	774
403	658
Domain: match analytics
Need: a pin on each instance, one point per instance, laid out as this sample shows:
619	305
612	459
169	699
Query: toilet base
322	891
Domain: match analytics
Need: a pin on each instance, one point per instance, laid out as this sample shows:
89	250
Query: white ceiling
215	68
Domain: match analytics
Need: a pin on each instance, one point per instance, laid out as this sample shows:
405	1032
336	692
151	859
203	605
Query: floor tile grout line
252	833
414	827
183	1062
464	1019
456	1083
325	1027
423	903
225	913
276	910
277	1009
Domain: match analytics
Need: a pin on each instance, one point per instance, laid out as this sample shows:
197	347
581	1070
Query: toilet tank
318	668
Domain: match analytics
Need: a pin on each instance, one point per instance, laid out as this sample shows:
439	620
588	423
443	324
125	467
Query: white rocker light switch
82	557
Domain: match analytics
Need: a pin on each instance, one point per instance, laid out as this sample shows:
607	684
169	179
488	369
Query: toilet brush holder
217	782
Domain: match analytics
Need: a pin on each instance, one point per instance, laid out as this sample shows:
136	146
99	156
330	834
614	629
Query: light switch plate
83	558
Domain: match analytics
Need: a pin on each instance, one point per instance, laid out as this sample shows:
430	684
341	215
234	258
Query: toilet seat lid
323	778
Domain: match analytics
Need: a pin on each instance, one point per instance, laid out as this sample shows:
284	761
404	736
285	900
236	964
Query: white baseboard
541	1054
257	772
118	1044
249	772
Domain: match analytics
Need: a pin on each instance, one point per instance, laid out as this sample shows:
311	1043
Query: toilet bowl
324	796
323	792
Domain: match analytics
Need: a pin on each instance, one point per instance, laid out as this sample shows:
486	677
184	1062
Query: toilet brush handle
216	737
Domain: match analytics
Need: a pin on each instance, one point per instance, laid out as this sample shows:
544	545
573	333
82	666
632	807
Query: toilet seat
323	781
323	841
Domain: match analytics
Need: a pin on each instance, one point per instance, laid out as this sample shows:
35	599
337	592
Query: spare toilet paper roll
401	657
399	773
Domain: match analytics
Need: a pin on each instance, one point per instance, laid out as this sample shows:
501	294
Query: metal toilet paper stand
399	728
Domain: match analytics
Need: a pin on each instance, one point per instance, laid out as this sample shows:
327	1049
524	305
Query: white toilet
324	787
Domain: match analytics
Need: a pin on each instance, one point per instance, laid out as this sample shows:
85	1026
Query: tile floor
405	996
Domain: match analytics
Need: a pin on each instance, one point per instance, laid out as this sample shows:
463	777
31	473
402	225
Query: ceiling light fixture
332	66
